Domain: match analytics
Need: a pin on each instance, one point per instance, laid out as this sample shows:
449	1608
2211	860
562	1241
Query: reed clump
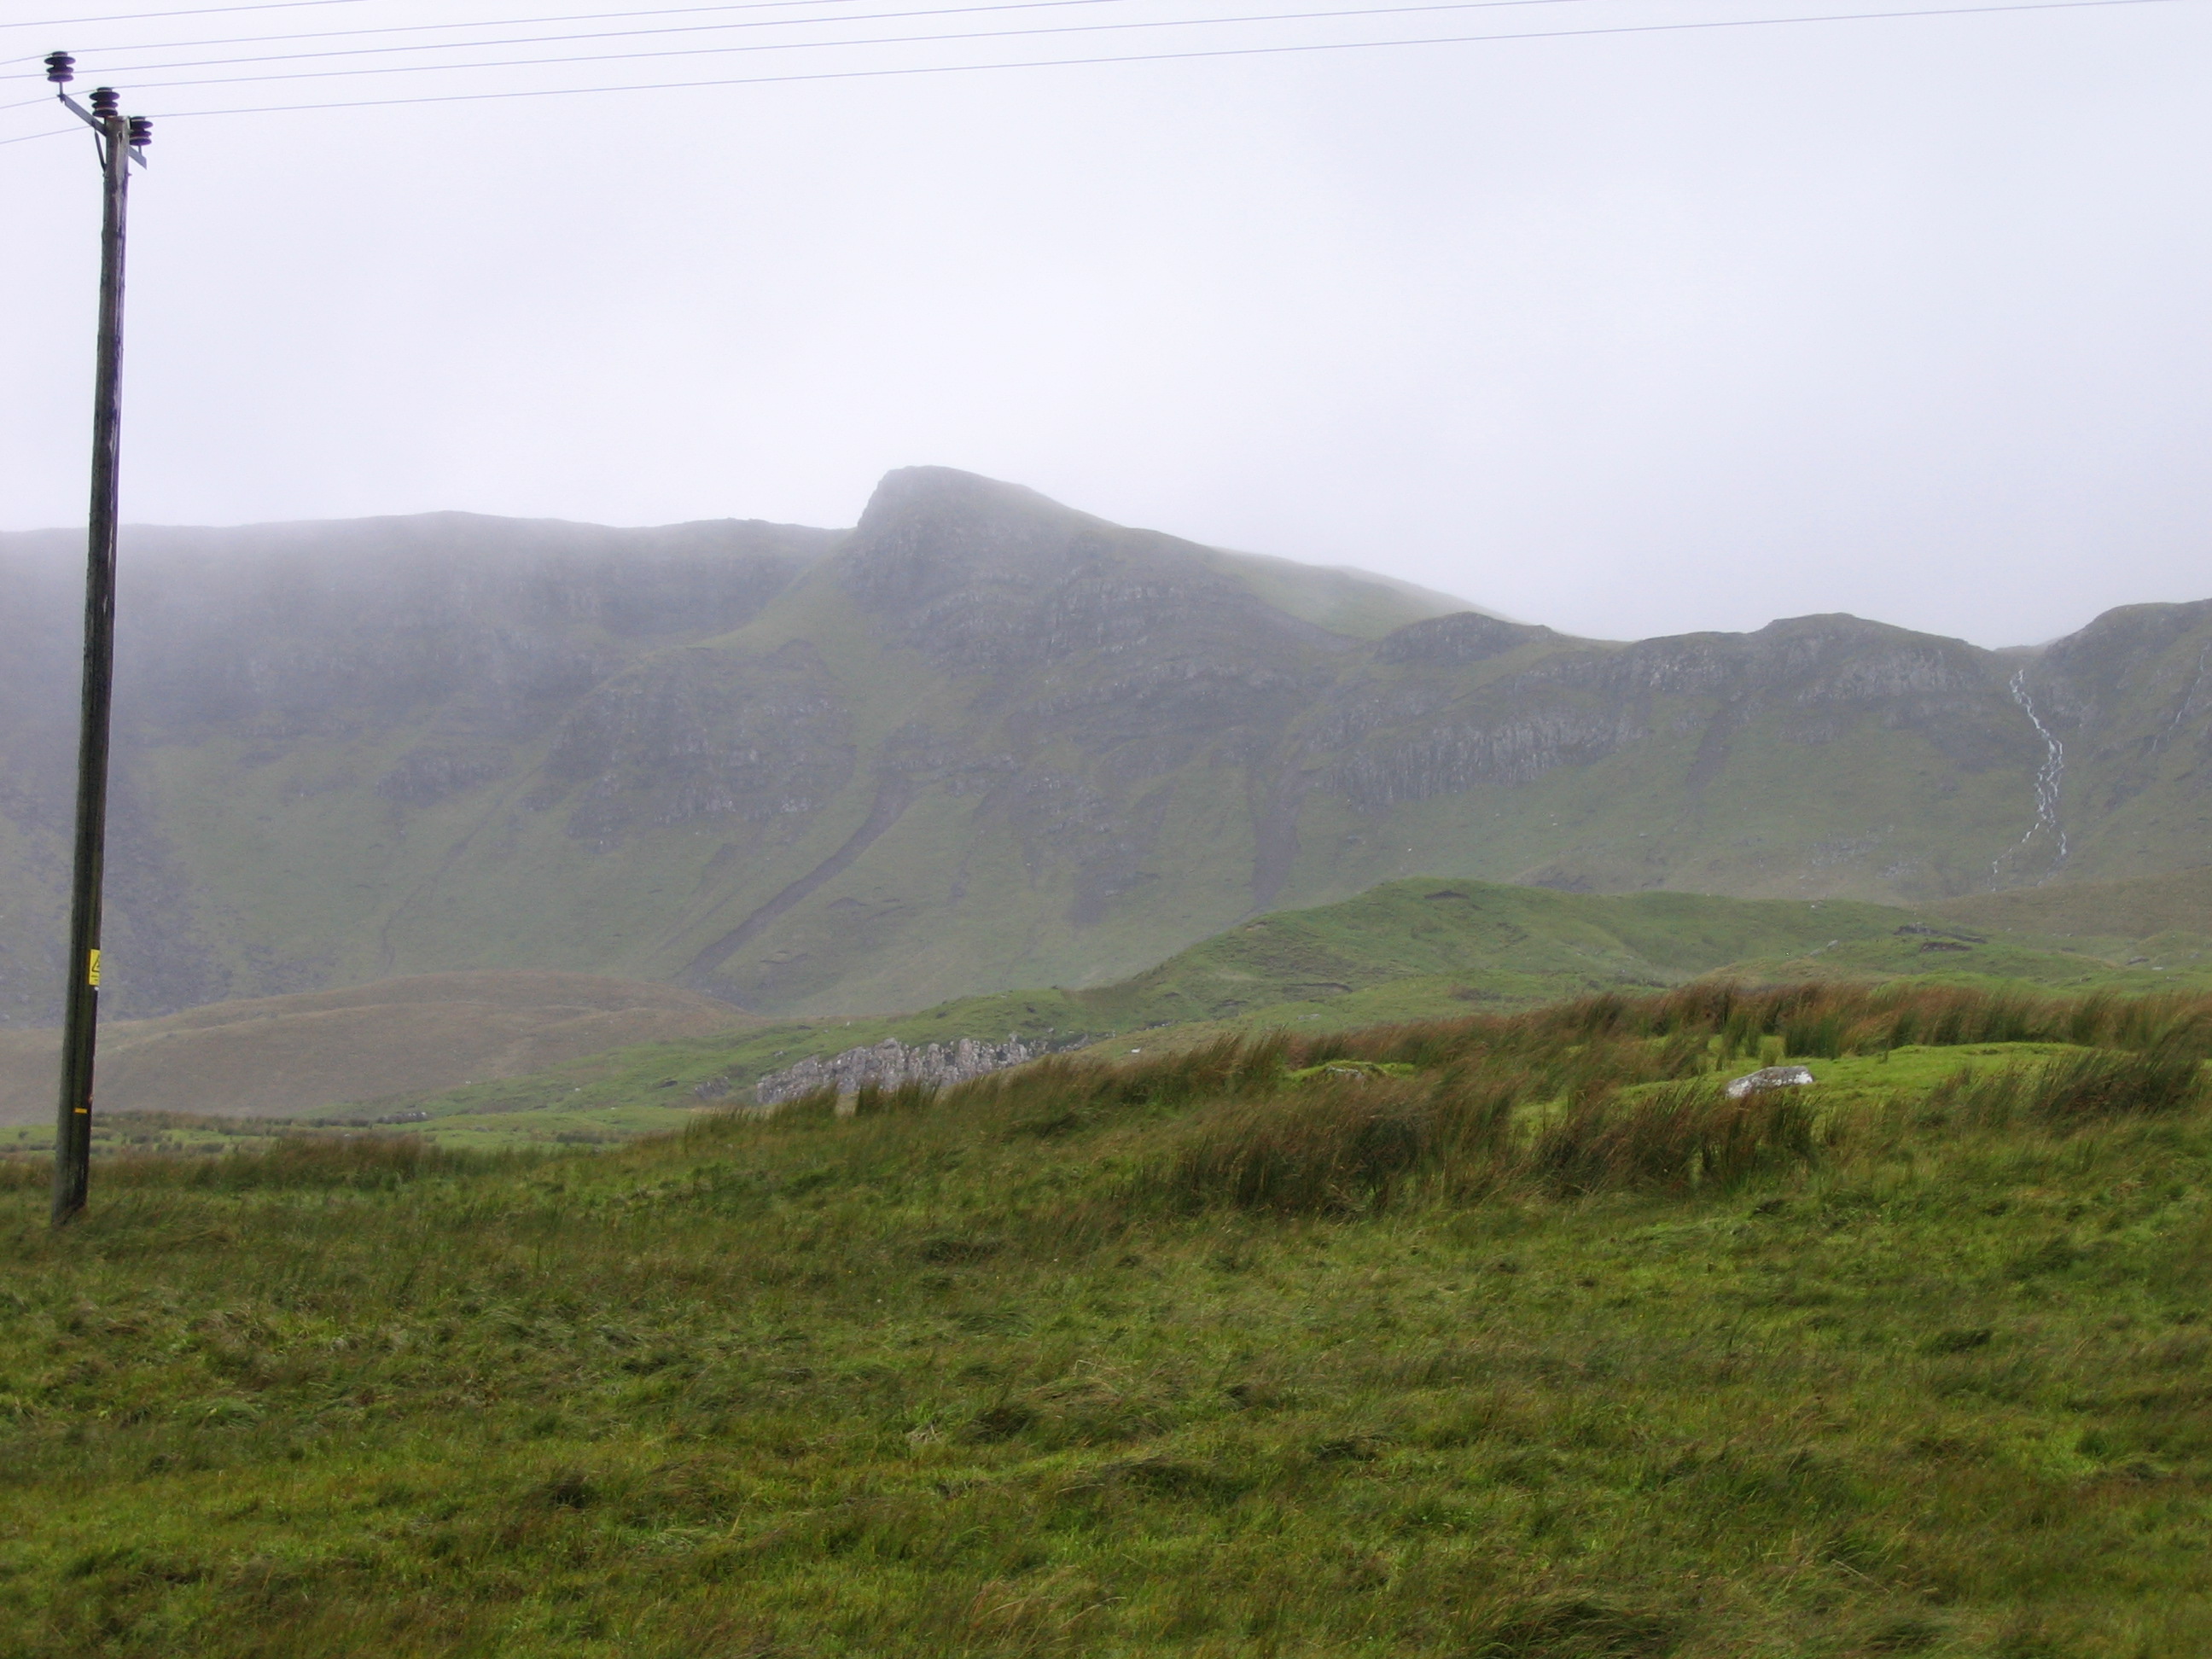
1349	1149
874	1100
2072	1091
1678	1137
1227	1068
1607	1093
1339	1148
1811	1021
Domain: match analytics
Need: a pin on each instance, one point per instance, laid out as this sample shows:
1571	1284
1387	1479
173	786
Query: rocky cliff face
1812	680
979	741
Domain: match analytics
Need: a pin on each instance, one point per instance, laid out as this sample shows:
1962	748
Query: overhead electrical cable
631	34
939	11
624	35
787	46
196	11
2011	6
470	23
1085	28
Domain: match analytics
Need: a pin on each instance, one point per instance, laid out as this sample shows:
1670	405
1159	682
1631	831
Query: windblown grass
2077	1089
358	1162
1332	1149
1678	1138
1815	1020
1504	1337
1324	1126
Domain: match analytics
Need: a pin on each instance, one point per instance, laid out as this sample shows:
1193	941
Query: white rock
1770	1077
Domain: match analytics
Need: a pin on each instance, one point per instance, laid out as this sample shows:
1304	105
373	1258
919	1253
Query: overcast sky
1631	334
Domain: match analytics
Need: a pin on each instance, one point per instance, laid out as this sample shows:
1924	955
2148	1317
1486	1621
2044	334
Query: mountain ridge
981	741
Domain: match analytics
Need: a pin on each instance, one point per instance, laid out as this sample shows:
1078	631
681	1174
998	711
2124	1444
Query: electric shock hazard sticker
92	972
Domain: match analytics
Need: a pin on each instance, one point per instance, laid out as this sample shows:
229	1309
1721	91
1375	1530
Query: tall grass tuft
1227	1068
1349	1147
1807	1020
1279	1127
1678	1137
2104	1082
874	1100
2072	1091
1334	1148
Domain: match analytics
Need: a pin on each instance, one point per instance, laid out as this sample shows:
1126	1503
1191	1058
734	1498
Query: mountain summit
982	740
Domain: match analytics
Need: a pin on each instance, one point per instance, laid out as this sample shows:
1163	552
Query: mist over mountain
978	741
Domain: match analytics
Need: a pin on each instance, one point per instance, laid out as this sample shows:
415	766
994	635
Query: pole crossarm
139	131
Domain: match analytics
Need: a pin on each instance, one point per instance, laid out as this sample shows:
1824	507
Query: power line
472	23
796	46
2006	6
196	11
2020	6
626	34
683	28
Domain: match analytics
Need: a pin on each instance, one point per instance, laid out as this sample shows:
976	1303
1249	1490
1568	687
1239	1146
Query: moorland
1510	1334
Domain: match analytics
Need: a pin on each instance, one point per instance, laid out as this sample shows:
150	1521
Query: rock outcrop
1766	1078
888	1064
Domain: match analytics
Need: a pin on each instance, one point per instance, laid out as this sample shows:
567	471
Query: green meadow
1507	1335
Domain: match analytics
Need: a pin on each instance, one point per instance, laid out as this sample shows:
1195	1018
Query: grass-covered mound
1506	1336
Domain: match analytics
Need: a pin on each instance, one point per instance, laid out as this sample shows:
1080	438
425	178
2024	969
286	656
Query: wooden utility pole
120	144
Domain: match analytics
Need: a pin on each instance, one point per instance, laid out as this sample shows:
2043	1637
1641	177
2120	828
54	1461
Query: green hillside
2144	908
1408	950
982	741
1381	954
1508	1336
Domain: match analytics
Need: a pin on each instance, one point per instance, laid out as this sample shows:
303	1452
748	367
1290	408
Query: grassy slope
986	1381
2143	908
937	900
1408	950
466	885
308	1052
1482	945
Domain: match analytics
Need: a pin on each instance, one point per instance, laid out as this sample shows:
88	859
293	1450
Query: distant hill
982	741
2140	909
1409	950
564	1047
282	1056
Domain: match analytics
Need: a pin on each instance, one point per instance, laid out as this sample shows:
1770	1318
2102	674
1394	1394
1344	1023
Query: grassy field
1507	1335
309	1051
